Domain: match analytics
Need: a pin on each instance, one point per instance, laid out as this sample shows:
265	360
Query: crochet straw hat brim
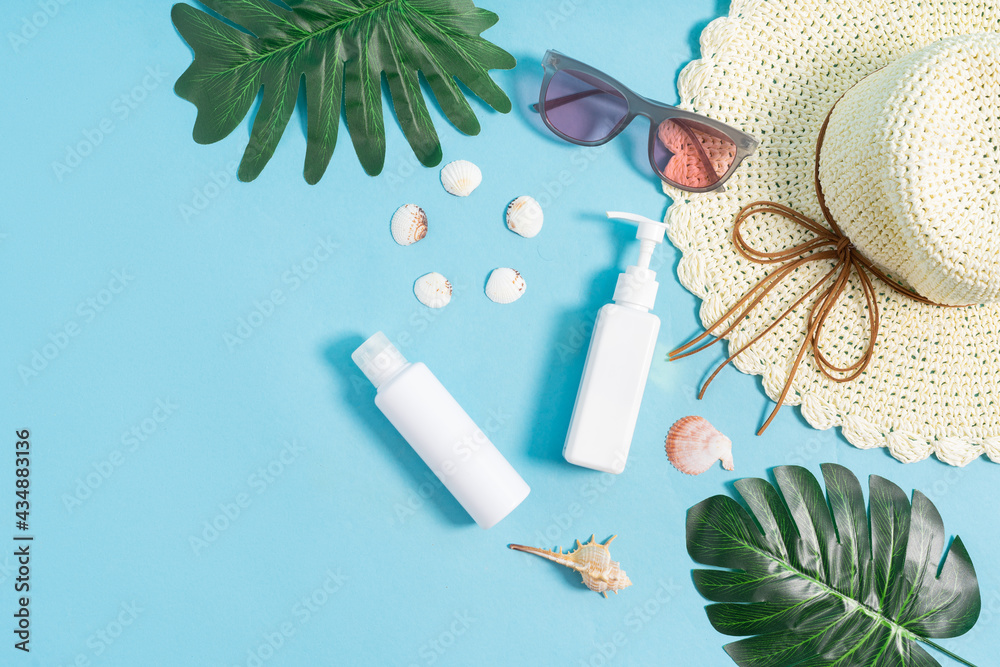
909	171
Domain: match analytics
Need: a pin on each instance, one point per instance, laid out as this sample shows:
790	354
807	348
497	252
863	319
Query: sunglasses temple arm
706	162
566	99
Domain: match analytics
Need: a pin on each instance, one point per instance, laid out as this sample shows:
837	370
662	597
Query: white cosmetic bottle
617	365
441	432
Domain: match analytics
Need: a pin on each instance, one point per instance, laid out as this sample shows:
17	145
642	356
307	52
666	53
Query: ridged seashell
524	216
409	224
592	560
505	285
461	177
694	445
433	290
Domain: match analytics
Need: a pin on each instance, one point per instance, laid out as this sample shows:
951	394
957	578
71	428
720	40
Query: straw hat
908	166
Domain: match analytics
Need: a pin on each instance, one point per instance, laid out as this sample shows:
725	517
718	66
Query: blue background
348	551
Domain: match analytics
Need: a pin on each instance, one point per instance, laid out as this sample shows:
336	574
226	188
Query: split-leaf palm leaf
812	580
341	49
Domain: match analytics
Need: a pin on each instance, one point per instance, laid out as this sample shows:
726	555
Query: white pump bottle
618	361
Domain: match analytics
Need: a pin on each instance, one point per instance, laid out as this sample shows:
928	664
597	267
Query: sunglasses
587	107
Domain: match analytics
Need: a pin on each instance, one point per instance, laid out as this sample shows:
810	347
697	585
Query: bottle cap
378	359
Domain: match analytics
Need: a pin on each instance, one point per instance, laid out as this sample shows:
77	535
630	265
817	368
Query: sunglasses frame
655	112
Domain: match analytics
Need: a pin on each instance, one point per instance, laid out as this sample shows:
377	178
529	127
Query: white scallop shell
524	216
433	290
461	177
694	445
505	285
409	224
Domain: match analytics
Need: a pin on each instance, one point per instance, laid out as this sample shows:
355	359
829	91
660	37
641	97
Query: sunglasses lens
582	107
690	154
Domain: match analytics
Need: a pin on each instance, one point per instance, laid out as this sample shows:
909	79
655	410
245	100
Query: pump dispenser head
637	286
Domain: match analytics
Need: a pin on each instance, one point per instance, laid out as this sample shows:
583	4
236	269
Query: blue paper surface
211	483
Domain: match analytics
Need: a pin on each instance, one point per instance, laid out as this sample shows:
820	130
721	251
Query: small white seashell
524	216
409	224
694	445
461	177
433	290
505	285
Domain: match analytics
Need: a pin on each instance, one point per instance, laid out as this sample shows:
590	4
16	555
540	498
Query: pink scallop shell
694	445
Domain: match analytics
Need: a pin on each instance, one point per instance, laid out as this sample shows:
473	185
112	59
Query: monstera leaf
341	48
813	582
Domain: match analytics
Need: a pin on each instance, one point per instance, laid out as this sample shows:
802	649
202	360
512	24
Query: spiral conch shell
592	560
694	445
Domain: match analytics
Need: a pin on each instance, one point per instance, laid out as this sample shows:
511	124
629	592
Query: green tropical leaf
341	48
811	581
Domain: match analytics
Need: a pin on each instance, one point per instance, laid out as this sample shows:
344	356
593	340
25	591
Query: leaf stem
865	609
945	651
365	11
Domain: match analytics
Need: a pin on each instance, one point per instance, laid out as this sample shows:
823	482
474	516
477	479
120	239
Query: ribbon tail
819	283
785	389
761	289
822	310
814	324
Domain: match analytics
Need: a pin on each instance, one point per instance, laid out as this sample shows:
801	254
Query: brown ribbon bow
829	244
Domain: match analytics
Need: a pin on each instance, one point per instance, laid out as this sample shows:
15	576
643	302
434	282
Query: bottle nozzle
649	230
632	217
638	284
